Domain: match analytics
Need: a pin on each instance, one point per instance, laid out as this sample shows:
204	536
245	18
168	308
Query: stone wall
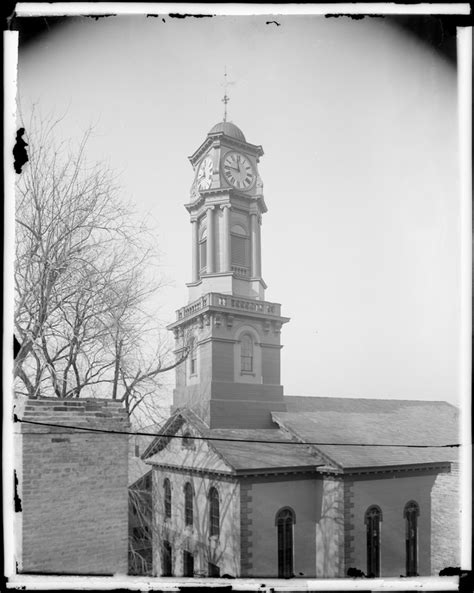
73	488
222	550
330	529
446	520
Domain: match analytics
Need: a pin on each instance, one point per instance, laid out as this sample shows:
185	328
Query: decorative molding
382	472
216	339
274	346
178	469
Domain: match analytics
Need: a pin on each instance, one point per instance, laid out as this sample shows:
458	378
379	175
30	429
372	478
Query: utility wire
213	438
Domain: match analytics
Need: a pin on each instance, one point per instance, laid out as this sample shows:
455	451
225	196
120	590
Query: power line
213	438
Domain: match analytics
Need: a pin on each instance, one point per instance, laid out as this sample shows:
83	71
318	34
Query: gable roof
241	449
372	433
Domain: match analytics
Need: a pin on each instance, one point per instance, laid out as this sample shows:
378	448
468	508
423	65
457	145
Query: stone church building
249	482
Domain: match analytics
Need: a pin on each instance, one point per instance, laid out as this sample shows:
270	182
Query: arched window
188	504
214	513
167	496
411	512
166	560
192	357
285	519
373	518
246	354
240	250
203	250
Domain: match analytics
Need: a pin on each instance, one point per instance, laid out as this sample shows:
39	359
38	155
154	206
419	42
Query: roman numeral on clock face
238	170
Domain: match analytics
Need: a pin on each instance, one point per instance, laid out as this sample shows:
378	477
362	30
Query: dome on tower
229	129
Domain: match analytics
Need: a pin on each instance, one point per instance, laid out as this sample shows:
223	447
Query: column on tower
255	244
195	250
226	244
210	240
259	246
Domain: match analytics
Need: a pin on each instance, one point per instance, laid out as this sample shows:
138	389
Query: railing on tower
241	271
227	301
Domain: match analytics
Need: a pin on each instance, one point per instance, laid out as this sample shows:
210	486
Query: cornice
234	474
218	310
396	469
180	469
227	195
220	139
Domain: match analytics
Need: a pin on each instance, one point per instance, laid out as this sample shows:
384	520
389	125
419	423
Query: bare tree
84	275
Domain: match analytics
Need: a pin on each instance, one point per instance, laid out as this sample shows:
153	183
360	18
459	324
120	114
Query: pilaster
195	250
210	240
226	243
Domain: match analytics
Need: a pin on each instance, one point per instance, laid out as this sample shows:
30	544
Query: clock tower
231	375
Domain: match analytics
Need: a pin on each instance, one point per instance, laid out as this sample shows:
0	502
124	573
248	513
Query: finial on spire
226	98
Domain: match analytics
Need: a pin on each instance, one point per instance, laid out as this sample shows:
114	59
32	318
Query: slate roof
353	427
248	454
243	453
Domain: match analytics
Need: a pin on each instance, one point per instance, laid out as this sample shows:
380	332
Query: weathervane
226	98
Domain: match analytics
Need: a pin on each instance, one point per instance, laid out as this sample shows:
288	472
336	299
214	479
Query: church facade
248	482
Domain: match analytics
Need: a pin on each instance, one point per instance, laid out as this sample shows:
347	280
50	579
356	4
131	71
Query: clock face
204	175
238	171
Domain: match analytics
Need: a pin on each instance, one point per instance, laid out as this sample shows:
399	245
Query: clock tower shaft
231	375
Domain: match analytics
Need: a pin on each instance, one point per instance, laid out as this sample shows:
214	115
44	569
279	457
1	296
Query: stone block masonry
73	488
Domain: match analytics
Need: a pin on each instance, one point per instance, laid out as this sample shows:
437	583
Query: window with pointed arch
246	354
285	519
214	511
167	497
192	357
373	519
188	504
411	513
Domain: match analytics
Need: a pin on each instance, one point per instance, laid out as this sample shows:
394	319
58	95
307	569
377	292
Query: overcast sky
361	243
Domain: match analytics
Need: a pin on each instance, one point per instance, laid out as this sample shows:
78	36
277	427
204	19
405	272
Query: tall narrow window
188	504
411	512
373	518
192	357
284	521
166	560
214	513
167	497
246	354
188	564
